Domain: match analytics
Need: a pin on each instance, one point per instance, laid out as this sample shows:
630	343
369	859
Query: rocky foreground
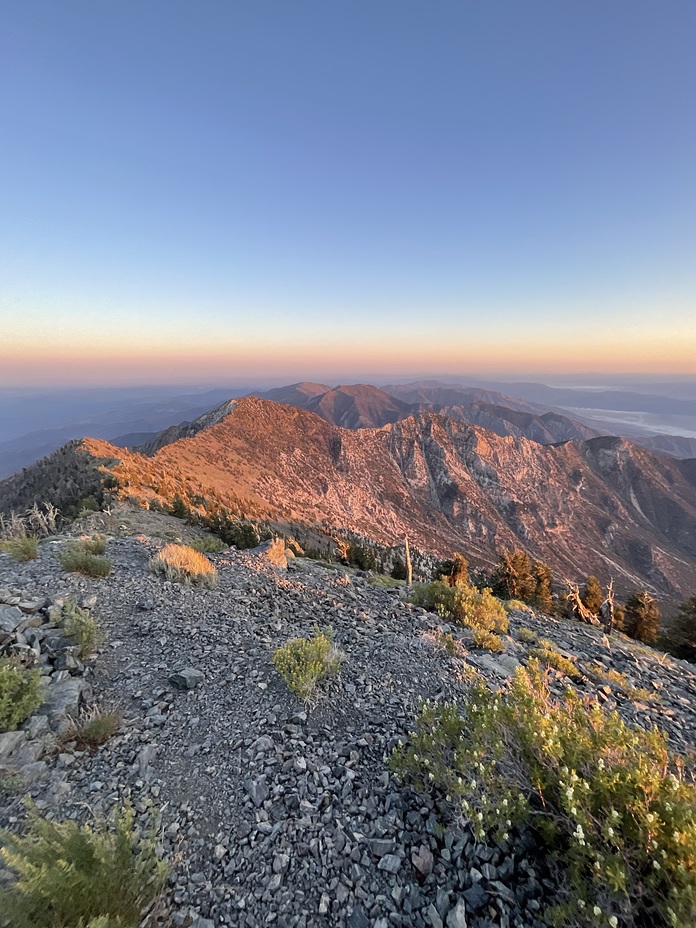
272	812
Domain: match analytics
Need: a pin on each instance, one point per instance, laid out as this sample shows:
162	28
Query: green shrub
95	545
384	582
479	610
209	544
527	636
70	875
80	625
20	693
11	784
433	596
463	603
76	557
488	641
516	605
22	547
303	662
550	657
608	805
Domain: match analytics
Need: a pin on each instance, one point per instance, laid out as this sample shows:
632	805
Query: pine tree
513	577
592	596
681	634
642	620
543	578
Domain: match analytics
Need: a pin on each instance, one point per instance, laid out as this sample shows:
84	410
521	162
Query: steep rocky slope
272	813
603	506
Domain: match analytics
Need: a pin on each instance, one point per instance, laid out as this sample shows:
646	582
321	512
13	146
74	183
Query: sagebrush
70	875
476	609
20	693
303	662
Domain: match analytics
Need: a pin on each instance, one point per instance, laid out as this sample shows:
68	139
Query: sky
246	189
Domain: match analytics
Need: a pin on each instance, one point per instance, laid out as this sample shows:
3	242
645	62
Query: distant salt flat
641	423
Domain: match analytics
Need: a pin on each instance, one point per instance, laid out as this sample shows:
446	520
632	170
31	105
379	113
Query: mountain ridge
600	506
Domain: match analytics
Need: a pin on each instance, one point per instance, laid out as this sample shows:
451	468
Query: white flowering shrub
610	808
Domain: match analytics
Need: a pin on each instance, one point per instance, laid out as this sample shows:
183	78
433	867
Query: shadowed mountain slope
603	506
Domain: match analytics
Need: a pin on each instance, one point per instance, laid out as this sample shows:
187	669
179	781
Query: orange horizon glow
397	358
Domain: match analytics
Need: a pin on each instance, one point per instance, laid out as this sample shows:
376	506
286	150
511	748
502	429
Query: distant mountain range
129	418
602	505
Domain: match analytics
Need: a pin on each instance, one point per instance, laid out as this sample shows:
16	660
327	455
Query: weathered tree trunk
409	568
580	610
606	610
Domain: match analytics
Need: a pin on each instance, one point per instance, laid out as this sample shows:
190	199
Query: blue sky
190	190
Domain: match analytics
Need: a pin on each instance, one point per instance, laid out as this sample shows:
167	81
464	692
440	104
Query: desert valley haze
348	465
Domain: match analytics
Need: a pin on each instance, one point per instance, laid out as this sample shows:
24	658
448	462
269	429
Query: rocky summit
273	811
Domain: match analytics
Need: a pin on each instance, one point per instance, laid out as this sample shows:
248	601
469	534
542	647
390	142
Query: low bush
477	609
78	556
609	808
384	582
94	545
549	656
184	565
93	728
488	641
20	693
303	662
69	875
449	643
22	547
80	625
434	596
516	605
209	544
527	636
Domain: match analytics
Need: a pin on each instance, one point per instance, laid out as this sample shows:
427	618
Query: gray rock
62	700
476	896
457	917
187	679
257	789
10	617
390	862
381	846
11	742
357	919
434	916
422	860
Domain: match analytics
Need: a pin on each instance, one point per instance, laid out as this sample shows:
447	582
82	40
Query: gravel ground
276	813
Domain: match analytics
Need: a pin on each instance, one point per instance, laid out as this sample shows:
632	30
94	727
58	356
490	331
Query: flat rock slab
10	617
187	679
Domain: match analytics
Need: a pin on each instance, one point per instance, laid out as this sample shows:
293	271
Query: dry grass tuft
184	565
